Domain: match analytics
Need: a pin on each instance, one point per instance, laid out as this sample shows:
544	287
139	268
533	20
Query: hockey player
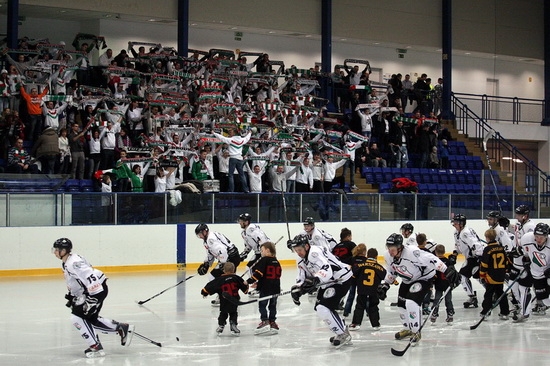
416	268
468	244
536	248
87	292
230	283
524	225
492	270
318	269
317	236
407	232
493	220
267	277
253	237
368	275
218	248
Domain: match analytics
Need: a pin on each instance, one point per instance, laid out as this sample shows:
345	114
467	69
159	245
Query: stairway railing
525	173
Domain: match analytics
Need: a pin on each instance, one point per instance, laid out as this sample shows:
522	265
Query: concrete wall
27	251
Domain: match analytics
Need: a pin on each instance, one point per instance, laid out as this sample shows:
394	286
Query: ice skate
274	327
402	334
220	328
449	319
234	330
503	317
341	340
354	327
472	301
539	309
520	318
415	339
126	332
263	327
95	351
433	319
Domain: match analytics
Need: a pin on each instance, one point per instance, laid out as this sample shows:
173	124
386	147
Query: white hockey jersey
412	265
321	238
527	227
411	240
81	277
218	247
321	263
468	244
503	237
253	237
540	257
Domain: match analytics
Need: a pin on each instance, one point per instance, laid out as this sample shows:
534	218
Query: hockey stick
497	301
401	353
158	344
490	134
235	301
286	214
163	291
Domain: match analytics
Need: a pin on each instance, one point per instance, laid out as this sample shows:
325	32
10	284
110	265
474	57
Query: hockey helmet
245	217
493	215
394	240
522	210
309	221
63	243
300	241
200	228
460	218
542	229
407	227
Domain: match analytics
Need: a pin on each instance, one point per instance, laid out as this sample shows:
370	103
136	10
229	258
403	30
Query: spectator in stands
106	58
236	161
52	114
46	150
107	135
437	96
202	168
399	144
434	159
425	144
304	177
375	157
444	154
407	94
65	153
33	102
76	143
19	160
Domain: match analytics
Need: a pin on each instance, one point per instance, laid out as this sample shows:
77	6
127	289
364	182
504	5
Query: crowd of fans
153	120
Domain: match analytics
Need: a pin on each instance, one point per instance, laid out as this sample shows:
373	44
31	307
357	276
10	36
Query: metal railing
66	209
504	109
524	173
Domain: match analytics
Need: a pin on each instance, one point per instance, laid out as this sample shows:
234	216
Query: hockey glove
243	256
70	299
295	294
513	273
515	253
289	244
90	306
452	259
203	269
452	276
382	290
547	273
526	263
310	285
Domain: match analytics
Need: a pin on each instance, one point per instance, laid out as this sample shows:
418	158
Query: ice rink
36	330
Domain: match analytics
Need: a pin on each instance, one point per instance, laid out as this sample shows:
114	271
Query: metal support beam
326	45
13	21
446	60
183	27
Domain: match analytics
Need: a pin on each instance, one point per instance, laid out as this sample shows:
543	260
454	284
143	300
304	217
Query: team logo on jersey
416	287
403	272
77	326
539	259
413	315
329	292
416	253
